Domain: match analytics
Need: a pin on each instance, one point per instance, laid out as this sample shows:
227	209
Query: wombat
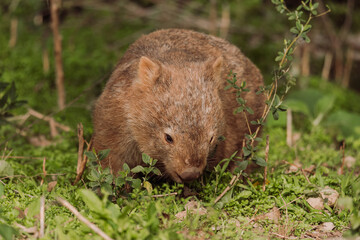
166	98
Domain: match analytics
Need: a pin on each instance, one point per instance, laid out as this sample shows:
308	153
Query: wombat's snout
190	174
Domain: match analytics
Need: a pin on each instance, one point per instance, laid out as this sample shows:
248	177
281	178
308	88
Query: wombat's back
175	57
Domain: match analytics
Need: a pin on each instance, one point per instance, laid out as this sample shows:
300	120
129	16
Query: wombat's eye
168	138
211	139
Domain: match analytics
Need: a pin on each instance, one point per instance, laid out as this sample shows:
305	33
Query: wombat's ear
148	71
217	68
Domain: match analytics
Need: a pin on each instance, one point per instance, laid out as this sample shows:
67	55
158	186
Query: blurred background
95	34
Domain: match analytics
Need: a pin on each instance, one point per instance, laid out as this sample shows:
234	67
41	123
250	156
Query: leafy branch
281	74
301	29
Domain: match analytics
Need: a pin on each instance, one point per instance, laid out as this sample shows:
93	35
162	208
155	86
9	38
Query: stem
247	123
234	179
293	42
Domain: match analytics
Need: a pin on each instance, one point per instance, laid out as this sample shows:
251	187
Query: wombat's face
175	115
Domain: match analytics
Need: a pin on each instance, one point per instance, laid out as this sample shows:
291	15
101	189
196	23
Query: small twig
92	226
80	132
286	213
24	194
348	67
225	20
23	176
247	123
53	131
289	128
82	159
32	230
342	148
345	28
164	195
266	160
286	204
44	171
82	180
303	172
234	179
253	216
7	156
42	216
327	65
213	17
54	6
25	157
49	119
13	32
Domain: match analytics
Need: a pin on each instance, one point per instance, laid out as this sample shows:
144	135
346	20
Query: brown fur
172	82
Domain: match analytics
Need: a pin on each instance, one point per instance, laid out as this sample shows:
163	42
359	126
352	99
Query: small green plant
99	178
147	171
248	150
104	179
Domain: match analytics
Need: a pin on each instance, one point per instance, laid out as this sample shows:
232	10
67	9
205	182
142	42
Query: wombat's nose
190	174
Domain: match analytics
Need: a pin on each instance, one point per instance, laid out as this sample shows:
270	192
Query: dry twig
164	195
44	171
266	159
342	148
42	217
82	159
77	214
57	47
289	136
307	179
80	132
286	204
13	32
52	123
234	179
286	214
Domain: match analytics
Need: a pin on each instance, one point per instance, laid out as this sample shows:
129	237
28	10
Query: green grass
141	216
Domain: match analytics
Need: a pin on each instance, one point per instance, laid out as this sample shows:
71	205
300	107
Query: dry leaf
273	215
181	215
349	161
51	186
326	227
294	167
317	203
310	168
330	194
22	213
191	207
